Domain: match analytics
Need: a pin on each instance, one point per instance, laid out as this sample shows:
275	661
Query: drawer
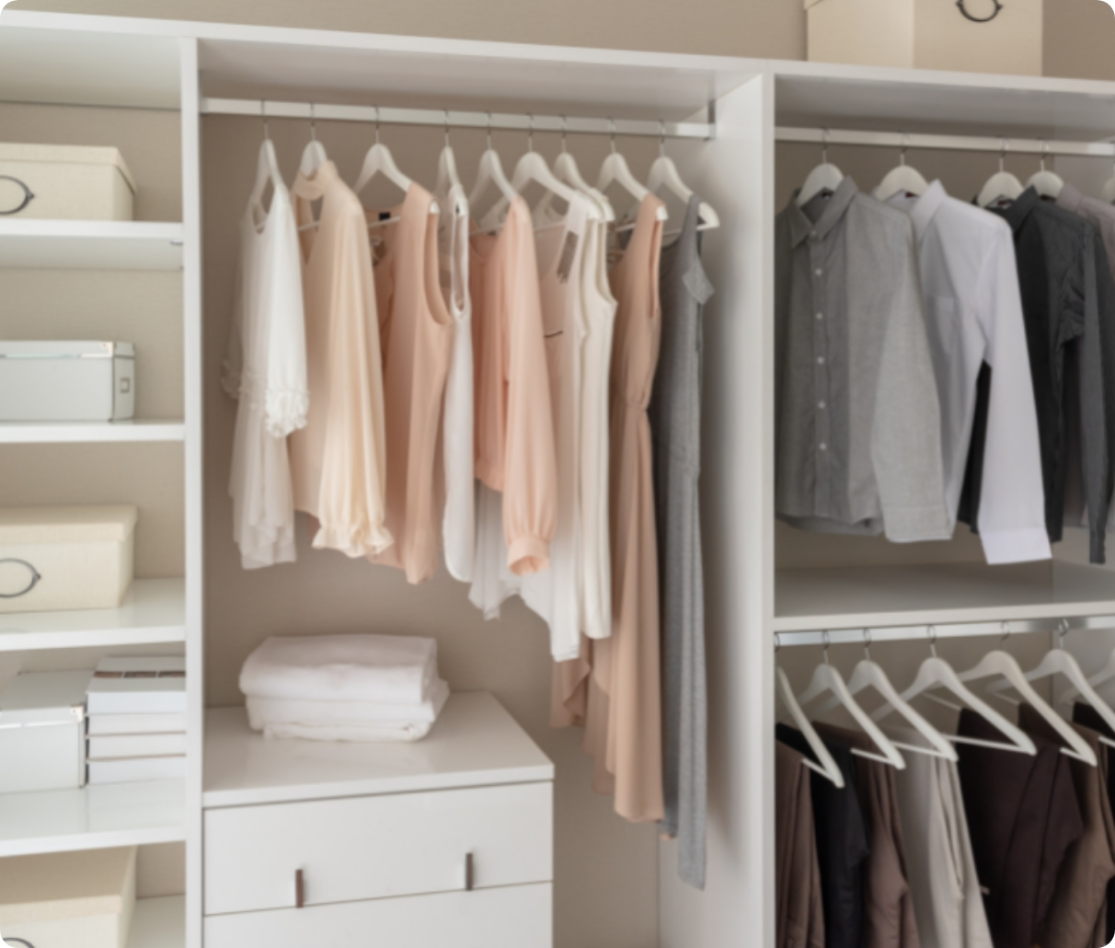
377	847
515	917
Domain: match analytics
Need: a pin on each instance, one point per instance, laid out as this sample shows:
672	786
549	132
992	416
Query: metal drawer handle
32	582
28	197
299	889
470	873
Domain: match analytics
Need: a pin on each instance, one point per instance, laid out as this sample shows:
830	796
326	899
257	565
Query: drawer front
515	917
377	847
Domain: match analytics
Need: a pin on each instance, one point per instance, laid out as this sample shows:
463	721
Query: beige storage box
81	899
65	182
65	557
928	34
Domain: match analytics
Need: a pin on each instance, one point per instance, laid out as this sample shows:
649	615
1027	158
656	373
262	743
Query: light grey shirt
857	422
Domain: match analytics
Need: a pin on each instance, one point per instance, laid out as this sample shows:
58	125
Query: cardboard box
65	182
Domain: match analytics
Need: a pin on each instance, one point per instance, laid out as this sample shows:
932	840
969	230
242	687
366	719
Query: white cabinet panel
377	847
515	917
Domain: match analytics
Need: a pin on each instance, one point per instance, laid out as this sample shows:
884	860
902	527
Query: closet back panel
605	887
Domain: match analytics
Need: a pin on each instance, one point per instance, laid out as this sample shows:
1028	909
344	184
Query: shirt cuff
915	524
1015	546
528	555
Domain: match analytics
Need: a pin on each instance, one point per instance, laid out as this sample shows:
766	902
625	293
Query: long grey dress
675	420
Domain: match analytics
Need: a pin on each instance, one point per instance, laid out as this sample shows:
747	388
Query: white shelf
90	245
159	923
475	742
154	611
72	432
125	814
817	599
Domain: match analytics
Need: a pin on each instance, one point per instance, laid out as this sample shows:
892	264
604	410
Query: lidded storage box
65	182
42	733
65	557
82	899
928	34
67	381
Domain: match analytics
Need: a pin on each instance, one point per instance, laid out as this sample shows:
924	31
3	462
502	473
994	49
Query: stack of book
136	728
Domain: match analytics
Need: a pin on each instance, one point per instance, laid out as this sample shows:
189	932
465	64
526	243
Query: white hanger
447	177
827	678
379	160
565	167
869	674
902	179
1109	189
827	767
824	177
1046	183
936	672
1002	664
1102	677
314	156
665	173
615	171
1002	185
490	171
532	167
267	166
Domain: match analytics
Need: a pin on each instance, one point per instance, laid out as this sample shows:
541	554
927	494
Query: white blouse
265	368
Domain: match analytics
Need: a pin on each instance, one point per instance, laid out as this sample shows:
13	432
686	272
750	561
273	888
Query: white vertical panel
195	633
735	174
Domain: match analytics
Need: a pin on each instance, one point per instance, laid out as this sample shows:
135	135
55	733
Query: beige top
338	461
415	332
514	425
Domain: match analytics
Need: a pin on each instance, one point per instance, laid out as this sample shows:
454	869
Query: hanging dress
416	338
338	460
623	728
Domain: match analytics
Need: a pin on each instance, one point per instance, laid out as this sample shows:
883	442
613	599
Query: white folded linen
368	734
384	669
270	712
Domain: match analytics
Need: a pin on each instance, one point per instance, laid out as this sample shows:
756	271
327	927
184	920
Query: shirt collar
1016	213
1070	198
926	207
800	224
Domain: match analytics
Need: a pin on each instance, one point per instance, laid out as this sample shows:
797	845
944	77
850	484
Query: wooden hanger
827	679
1001	186
901	179
825	177
664	173
1046	183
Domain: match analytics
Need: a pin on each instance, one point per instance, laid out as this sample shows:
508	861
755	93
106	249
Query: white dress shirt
973	311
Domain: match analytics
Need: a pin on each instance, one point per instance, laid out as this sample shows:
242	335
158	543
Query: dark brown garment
888	903
800	919
1088	716
1022	818
1079	900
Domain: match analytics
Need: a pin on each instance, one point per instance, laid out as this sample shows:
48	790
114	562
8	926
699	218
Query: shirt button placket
822	444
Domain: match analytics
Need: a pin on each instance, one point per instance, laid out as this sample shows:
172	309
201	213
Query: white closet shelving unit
174	65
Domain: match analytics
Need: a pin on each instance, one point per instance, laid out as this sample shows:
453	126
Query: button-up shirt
857	419
969	281
1067	296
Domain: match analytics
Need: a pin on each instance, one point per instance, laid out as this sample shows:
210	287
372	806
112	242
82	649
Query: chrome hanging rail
951	630
911	141
443	118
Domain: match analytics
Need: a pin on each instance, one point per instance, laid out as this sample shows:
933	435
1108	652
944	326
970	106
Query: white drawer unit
320	843
513	917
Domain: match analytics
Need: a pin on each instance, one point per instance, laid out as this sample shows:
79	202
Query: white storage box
81	899
42	733
65	182
67	381
928	34
65	557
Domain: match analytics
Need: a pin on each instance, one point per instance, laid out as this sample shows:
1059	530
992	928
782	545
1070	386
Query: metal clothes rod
952	630
457	119
898	140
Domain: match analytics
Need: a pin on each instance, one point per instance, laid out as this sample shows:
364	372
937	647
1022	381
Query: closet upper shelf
63	432
153	612
937	594
124	814
90	245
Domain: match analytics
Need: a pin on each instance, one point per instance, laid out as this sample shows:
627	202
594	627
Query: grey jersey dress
675	421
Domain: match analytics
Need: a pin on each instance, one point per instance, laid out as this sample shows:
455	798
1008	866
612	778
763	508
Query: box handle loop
980	19
32	583
28	195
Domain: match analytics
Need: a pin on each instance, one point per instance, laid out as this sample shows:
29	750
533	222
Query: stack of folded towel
344	687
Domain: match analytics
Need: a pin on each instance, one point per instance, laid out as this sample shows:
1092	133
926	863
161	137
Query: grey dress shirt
857	423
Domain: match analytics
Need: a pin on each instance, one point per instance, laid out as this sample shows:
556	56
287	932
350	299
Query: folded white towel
269	712
386	734
384	669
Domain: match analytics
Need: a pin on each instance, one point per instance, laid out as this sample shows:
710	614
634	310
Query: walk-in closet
284	842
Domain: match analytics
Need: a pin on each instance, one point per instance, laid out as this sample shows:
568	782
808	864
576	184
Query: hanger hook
564	132
1003	148
263	115
825	639
313	123
1062	630
824	146
530	132
1006	630
777	642
931	631
902	149
612	130
377	124
867	643
489	131
1044	152
661	138
446	128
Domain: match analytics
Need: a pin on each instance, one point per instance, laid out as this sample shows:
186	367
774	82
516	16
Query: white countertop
475	742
